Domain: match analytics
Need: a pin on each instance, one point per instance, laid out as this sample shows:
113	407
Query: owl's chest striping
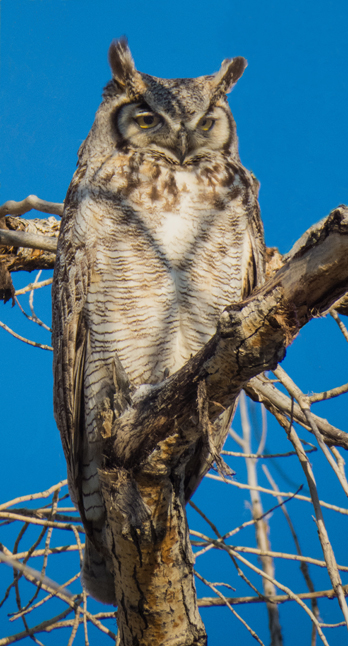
191	214
146	182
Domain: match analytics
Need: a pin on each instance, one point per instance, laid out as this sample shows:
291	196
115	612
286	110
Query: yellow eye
147	120
206	124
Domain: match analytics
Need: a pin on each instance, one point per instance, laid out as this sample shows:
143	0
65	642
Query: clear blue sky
291	113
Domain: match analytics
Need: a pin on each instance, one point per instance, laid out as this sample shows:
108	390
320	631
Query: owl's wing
253	262
253	269
69	335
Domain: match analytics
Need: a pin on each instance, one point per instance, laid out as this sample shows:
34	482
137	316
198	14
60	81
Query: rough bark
153	562
148	446
25	245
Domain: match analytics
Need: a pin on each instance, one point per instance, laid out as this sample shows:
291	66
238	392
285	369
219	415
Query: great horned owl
161	230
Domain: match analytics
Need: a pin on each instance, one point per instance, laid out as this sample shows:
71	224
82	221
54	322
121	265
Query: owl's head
181	120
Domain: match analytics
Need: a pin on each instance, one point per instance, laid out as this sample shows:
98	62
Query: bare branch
304	565
22	338
323	535
328	394
242	485
31	286
266	455
15	239
279	598
339	323
34	575
263	390
34	496
261	526
227	603
31	202
304	403
291	594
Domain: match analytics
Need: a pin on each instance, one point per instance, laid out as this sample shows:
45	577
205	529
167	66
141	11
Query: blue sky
290	108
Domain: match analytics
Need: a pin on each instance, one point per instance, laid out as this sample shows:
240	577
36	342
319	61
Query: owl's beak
182	147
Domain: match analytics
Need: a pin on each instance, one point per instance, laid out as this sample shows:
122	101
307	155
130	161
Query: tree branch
31	202
25	245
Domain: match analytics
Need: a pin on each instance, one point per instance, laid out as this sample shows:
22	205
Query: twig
263	390
34	319
45	626
51	624
34	496
328	394
53	550
75	626
38	521
247	523
31	305
34	575
255	550
339	459
206	602
241	485
279	585
31	286
21	338
264	430
221	538
339	323
257	456
44	600
47	546
235	437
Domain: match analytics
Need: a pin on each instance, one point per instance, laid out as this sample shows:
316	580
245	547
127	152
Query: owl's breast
168	257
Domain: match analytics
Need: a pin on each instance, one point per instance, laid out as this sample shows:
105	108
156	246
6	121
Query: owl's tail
96	576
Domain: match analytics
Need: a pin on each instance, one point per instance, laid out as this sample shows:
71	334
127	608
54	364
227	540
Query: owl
161	231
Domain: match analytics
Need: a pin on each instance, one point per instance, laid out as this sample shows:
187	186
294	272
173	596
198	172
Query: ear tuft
121	61
123	68
230	71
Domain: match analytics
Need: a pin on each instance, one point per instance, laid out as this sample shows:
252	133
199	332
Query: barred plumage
161	230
